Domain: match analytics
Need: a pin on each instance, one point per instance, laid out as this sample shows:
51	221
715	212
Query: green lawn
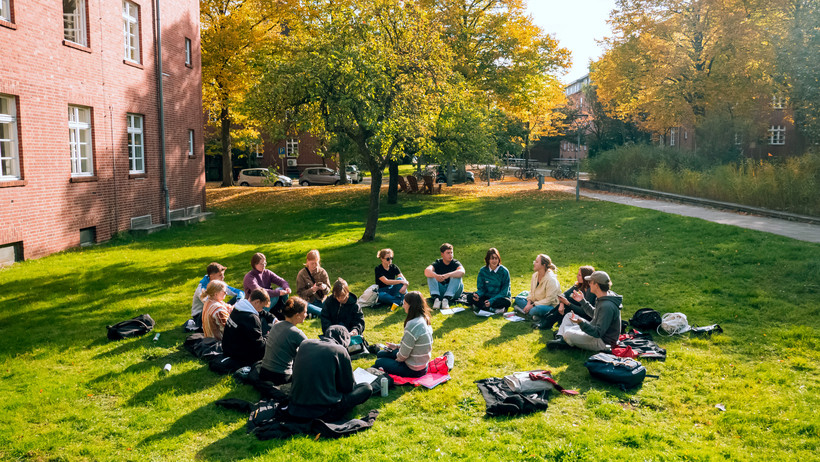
67	393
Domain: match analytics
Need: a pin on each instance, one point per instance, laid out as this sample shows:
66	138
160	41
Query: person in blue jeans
540	303
444	278
392	284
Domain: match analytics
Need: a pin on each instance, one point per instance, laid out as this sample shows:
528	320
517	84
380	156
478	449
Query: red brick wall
46	209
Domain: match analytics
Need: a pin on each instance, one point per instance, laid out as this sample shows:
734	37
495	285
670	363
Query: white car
262	177
354	174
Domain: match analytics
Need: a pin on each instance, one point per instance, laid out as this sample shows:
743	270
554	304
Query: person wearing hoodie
214	272
261	278
602	332
244	336
341	309
283	342
323	385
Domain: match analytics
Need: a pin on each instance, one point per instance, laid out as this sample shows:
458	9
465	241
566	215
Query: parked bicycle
496	173
526	173
563	172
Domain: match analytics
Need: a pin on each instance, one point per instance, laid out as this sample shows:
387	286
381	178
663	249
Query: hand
487	303
440	278
475	297
561	309
563	300
575	319
391	346
577	295
354	332
527	308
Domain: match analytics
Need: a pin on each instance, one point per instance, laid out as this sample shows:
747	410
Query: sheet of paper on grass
362	376
512	317
455	310
485	314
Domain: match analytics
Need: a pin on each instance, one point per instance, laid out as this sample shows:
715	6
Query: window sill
83	179
8	24
191	156
12	183
136	176
133	64
76	46
189	66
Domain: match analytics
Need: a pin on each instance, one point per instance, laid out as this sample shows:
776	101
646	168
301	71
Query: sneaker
436	303
445	304
451	359
558	344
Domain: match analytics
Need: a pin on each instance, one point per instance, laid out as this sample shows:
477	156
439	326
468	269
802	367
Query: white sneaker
451	359
445	304
436	303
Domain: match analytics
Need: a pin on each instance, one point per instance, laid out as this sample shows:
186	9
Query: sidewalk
795	230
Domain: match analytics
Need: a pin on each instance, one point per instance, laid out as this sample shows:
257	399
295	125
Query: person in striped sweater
410	357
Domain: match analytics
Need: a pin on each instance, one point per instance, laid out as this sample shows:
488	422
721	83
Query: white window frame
673	136
80	150
188	54
74	29
9	154
738	139
778	102
136	143
777	135
190	143
5	10
259	153
292	147
131	31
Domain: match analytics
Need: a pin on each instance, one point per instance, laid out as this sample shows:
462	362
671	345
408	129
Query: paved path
795	230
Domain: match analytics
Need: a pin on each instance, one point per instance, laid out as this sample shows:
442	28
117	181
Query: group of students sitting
263	325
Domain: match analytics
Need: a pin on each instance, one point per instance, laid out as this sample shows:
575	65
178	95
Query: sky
576	24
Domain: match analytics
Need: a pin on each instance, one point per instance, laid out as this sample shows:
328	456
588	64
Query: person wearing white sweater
410	357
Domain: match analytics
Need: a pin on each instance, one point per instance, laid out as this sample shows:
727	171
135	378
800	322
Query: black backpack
134	327
646	319
625	372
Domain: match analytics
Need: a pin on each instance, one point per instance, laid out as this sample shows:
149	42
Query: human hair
260	295
213	288
214	268
492	251
545	260
258	257
417	306
383	253
340	287
313	255
585	271
604	286
445	247
294	306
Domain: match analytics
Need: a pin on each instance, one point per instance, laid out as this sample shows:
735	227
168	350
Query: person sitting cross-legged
260	277
603	330
312	283
493	282
410	357
244	336
214	272
392	284
543	296
341	309
568	304
283	342
444	278
215	311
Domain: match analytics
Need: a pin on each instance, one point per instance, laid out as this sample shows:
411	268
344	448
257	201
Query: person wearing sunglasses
392	284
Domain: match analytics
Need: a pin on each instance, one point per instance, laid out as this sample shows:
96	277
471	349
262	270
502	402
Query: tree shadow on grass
452	322
508	332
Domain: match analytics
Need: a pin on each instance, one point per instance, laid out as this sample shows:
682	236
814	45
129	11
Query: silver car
262	177
319	175
354	174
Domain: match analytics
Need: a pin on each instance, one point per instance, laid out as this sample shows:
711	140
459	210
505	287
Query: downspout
158	44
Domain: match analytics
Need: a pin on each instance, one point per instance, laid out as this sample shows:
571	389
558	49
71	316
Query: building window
292	148
131	31
79	140
11	253
673	136
9	158
88	236
74	21
777	135
738	139
5	10
778	102
259	153
190	143
136	145
188	59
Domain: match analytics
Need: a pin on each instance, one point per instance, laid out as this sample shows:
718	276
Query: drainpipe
158	44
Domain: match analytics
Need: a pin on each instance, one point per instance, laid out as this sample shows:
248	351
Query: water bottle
383	383
156	337
167	367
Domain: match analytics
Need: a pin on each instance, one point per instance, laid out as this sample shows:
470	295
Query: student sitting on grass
260	278
215	311
582	285
493	282
410	357
244	337
341	309
444	278
283	342
323	386
214	272
312	283
392	284
603	330
543	296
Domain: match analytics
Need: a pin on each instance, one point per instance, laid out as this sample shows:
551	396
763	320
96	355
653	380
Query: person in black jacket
323	385
244	335
343	310
582	285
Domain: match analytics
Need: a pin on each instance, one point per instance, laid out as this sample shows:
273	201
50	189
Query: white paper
485	314
455	310
512	317
362	376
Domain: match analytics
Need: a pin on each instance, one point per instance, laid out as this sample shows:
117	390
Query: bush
791	184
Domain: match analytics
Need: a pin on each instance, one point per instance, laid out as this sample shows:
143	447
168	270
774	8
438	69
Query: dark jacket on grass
606	318
349	315
242	339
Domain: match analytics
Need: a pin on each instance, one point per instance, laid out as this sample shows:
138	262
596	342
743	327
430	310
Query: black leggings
496	305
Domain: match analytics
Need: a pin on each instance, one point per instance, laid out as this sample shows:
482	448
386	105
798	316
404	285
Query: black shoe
558	344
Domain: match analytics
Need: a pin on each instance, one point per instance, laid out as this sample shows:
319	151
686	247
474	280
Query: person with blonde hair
540	303
392	284
312	283
215	272
215	311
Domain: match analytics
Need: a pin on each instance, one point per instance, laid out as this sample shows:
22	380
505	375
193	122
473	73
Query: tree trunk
342	170
393	183
373	210
227	164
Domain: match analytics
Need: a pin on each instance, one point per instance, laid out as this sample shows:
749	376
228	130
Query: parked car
458	177
354	174
319	175
262	177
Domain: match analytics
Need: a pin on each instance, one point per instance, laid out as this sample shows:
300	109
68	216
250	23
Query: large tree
800	65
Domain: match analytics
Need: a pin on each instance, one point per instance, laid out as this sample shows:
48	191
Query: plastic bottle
156	337
383	384
167	367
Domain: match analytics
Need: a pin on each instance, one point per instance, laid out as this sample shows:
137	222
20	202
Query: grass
70	394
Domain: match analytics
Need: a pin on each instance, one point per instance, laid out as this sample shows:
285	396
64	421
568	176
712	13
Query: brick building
569	148
80	138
